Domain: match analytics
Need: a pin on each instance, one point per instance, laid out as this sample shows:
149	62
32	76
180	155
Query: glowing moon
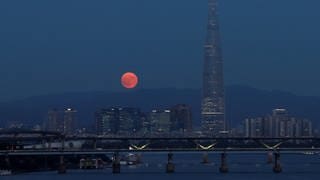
129	80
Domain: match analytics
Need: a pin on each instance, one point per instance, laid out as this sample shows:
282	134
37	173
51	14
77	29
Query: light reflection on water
189	167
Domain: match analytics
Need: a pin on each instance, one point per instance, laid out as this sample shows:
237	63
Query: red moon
129	80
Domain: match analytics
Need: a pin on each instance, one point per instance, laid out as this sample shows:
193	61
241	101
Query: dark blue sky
79	45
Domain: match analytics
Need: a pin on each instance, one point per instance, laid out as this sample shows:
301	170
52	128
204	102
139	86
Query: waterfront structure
278	125
181	118
69	123
213	101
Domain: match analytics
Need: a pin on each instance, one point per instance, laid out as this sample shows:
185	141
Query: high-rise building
213	101
181	118
278	125
107	121
69	121
145	124
279	119
54	121
130	120
118	120
306	128
254	127
160	121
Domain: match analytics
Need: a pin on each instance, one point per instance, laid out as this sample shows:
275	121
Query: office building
160	121
278	124
69	123
181	118
54	121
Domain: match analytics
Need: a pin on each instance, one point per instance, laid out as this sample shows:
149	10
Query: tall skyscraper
213	102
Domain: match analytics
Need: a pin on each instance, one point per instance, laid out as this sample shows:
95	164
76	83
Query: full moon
129	80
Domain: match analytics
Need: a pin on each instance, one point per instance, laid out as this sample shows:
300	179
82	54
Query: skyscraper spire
213	102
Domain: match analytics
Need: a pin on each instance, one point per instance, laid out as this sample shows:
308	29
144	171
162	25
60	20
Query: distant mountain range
241	102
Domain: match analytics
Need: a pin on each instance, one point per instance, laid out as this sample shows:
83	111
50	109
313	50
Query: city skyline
174	121
280	123
127	121
243	102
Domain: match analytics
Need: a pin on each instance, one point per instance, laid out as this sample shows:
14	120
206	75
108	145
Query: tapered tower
213	100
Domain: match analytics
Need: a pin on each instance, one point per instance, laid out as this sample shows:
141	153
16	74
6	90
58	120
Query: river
189	167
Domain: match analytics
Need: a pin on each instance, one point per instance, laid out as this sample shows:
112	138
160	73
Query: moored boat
5	172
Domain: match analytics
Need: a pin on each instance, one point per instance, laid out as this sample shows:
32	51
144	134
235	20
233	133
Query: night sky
56	46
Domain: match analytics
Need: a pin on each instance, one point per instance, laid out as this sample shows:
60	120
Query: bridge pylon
224	166
277	165
8	162
205	158
62	166
270	158
170	168
116	163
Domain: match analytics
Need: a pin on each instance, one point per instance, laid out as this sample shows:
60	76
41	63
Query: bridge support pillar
170	168
116	163
49	145
45	162
224	167
95	144
205	158
62	166
269	158
8	163
277	165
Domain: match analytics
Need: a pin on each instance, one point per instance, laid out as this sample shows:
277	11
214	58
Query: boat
130	159
309	153
5	172
89	163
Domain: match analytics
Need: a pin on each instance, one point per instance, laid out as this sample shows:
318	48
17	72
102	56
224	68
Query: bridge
13	144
